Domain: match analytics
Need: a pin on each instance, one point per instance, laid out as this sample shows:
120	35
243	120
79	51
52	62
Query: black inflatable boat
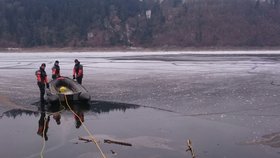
64	86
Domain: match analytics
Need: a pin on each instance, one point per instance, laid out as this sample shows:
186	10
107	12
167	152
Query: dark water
152	133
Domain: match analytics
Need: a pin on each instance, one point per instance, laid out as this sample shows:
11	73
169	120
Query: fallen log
116	142
84	139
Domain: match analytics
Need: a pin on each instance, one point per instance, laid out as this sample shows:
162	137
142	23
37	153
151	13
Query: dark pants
79	80
54	77
42	91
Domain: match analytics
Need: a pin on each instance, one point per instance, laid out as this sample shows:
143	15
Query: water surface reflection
151	133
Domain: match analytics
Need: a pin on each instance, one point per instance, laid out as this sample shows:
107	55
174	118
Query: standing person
42	81
55	70
78	71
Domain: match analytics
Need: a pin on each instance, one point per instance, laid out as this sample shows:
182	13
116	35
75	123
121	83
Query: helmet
62	89
56	61
43	64
76	60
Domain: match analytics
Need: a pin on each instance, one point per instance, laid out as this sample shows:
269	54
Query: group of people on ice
42	79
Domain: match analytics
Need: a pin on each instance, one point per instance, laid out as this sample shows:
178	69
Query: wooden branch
190	148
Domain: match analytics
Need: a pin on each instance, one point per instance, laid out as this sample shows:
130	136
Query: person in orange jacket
42	81
78	71
55	70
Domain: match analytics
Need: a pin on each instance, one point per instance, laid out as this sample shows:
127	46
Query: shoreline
134	49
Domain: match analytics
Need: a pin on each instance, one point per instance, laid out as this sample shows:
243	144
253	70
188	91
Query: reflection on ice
94	106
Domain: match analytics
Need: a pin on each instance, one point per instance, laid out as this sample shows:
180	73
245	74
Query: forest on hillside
139	23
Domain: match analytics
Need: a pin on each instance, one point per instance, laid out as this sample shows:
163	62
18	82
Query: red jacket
78	70
41	76
56	70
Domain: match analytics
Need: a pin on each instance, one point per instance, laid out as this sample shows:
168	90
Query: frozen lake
226	102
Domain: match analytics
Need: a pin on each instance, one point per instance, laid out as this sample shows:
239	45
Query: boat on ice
64	86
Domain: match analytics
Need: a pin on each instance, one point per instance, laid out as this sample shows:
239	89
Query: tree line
141	23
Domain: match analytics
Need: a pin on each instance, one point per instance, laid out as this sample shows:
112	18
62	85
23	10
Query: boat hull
64	88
